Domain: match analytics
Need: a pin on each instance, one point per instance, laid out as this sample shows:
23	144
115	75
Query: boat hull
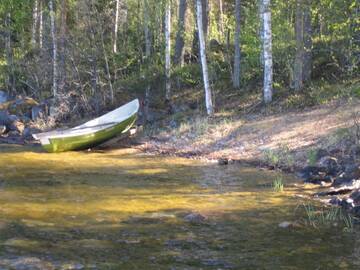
81	142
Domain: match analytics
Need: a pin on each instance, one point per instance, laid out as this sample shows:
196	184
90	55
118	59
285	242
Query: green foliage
278	184
328	216
280	157
312	157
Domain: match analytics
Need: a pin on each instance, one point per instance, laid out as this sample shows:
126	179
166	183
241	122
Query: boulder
331	165
320	153
311	171
356	197
352	170
37	112
2	129
356	211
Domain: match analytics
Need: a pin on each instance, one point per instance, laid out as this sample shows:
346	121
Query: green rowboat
91	133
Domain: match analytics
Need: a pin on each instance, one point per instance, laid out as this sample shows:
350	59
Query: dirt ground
249	137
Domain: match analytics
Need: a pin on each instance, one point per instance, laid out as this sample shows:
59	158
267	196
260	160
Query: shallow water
125	210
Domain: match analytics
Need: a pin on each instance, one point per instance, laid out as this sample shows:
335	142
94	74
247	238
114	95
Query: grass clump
278	184
279	157
328	216
312	157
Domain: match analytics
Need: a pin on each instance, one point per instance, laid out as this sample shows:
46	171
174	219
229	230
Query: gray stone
2	129
37	112
195	218
331	164
356	197
285	224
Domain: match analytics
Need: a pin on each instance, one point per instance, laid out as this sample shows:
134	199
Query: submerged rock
26	263
285	224
195	218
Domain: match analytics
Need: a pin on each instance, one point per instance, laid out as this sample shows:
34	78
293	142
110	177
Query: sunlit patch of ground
247	138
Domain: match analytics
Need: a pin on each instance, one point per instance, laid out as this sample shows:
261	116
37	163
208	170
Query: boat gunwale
85	130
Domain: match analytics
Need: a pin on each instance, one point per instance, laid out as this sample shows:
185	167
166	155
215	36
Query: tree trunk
34	23
221	18
116	27
179	44
307	69
41	27
205	23
208	95
62	47
267	51
168	53
147	57
236	75
147	29
261	30
107	68
299	57
53	35
205	17
9	56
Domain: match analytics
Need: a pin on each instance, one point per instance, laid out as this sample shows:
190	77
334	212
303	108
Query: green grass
312	157
278	184
328	216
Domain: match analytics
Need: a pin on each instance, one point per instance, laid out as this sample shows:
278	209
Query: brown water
125	210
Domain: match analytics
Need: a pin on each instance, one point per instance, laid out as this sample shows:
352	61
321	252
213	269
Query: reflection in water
123	209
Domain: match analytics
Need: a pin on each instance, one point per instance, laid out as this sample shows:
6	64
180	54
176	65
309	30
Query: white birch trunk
116	27
299	56
147	55
236	75
168	51
54	41
9	55
41	27
34	23
267	52
146	29
221	19
208	96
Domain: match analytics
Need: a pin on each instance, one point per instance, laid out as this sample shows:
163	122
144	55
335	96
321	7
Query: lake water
125	210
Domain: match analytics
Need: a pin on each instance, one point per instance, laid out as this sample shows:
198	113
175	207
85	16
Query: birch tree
221	18
9	55
179	43
236	75
307	42
299	57
267	51
116	26
34	23
62	47
208	95
41	26
147	56
54	47
168	52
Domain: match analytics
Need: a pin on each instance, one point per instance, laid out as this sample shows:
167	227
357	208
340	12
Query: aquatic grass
278	184
328	216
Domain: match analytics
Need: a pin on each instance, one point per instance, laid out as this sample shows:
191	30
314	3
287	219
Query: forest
85	56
